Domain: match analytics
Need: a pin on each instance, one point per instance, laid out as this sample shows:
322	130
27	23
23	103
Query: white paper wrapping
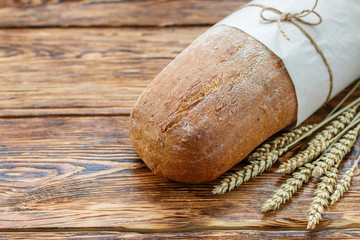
338	36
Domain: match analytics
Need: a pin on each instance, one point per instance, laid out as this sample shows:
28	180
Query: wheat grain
342	186
255	168
331	159
229	182
266	160
280	141
336	152
286	190
319	143
335	127
344	183
299	178
303	157
321	199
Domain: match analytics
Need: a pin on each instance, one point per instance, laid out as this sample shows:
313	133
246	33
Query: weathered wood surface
40	13
82	173
210	235
83	71
67	168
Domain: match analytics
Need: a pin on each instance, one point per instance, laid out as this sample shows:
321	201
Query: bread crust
210	107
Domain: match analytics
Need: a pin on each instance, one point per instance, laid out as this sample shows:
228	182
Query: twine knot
286	16
297	19
294	18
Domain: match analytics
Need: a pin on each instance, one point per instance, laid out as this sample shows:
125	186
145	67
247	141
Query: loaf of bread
210	107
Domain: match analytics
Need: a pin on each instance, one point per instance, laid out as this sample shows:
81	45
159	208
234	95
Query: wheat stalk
344	183
303	175
336	152
255	168
335	127
280	141
286	190
267	160
352	90
303	157
261	159
332	158
332	143
319	143
321	199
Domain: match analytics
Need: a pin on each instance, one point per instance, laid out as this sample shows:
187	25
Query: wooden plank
42	13
82	173
210	235
83	71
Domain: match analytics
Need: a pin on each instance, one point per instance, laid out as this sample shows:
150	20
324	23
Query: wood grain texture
41	13
83	71
82	173
67	167
210	235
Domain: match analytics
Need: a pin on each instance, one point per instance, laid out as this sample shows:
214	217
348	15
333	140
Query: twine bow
297	19
294	18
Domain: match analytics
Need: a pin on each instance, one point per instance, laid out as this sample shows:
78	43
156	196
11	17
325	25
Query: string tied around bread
294	18
297	19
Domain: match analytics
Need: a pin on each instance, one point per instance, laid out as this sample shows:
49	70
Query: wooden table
70	73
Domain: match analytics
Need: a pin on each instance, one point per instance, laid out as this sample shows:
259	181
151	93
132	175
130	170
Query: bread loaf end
209	108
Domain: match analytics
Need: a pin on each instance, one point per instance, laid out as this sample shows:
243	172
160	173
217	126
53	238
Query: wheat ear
320	142
344	183
236	179
310	153
335	126
255	168
286	190
280	141
300	177
321	199
326	187
337	152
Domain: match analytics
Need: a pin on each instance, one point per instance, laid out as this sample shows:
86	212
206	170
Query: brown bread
210	107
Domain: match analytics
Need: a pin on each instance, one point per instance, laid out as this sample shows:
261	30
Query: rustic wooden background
70	72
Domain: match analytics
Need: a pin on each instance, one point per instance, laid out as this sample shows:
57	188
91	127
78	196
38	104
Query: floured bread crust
210	107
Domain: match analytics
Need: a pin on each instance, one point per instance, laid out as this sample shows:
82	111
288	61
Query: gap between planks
65	115
173	230
112	27
115	13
